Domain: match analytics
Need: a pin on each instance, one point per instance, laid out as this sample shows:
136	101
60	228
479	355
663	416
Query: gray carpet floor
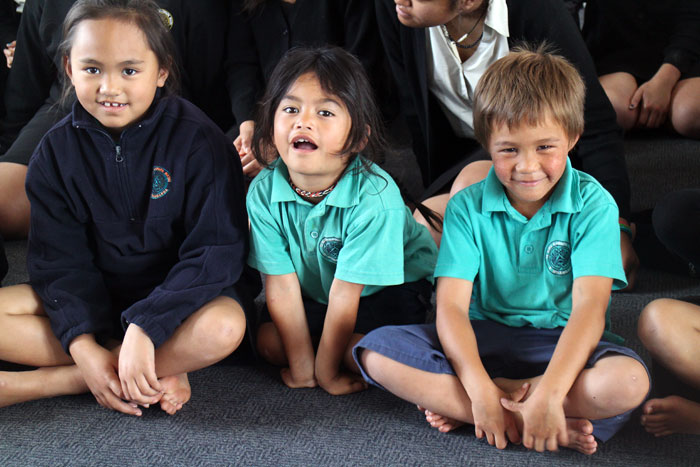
244	415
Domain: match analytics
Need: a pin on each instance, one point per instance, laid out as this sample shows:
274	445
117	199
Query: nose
528	162
402	2
304	119
109	86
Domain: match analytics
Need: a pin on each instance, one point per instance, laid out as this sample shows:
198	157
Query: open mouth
304	144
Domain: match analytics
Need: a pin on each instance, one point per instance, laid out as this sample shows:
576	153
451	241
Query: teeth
112	104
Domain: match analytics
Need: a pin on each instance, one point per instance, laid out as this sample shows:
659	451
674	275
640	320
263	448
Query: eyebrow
327	100
539	141
92	61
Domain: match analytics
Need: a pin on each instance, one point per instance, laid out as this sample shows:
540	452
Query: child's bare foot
672	414
442	423
580	433
176	392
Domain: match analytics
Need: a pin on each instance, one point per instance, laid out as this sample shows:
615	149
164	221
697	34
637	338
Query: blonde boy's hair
527	86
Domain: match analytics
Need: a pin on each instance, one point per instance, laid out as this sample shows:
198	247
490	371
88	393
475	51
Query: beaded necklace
311	194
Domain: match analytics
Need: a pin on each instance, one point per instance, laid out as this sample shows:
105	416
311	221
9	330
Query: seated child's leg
210	334
685	107
620	87
398	359
269	344
25	331
669	330
26	338
14	204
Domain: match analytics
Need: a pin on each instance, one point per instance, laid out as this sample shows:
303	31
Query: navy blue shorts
398	304
506	352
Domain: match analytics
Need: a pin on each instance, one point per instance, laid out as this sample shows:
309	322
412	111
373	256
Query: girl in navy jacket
138	224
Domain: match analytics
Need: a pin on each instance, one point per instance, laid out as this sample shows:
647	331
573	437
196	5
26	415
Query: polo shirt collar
345	194
497	17
565	198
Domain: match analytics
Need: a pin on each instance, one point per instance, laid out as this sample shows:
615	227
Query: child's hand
9	52
544	422
333	380
99	369
491	420
137	369
297	381
343	383
243	144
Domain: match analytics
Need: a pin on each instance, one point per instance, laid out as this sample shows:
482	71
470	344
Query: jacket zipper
124	182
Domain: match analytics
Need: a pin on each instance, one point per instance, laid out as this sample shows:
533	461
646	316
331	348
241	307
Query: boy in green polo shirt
535	247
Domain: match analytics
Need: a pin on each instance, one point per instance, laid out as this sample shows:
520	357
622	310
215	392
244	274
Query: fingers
512	433
636	98
517	396
238	144
510	405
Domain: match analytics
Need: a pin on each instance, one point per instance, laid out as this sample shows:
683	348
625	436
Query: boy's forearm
456	334
459	344
580	336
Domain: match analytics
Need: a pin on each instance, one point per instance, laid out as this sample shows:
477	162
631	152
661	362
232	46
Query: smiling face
114	72
425	13
529	161
310	130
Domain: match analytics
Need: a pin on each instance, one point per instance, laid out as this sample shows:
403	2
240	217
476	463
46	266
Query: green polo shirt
362	232
523	270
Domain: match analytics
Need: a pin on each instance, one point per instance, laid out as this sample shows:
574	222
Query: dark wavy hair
144	14
340	74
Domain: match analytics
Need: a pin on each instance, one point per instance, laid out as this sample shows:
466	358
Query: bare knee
622	385
270	346
14	204
685	118
652	327
469	175
221	328
374	363
20	300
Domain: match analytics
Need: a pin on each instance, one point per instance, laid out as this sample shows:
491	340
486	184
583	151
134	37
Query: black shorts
407	303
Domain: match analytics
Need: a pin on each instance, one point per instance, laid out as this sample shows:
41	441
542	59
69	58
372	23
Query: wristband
626	229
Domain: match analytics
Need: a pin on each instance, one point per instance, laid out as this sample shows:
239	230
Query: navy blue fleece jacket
142	230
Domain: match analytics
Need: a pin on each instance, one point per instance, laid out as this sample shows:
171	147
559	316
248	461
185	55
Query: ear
468	6
67	67
162	77
572	142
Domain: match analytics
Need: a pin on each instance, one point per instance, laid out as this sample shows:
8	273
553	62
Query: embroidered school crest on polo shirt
166	17
330	248
161	182
558	257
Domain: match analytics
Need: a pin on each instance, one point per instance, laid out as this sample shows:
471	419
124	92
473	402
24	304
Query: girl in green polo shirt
340	249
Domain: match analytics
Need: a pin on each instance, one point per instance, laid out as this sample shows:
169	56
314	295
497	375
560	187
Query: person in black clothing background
261	31
442	152
647	54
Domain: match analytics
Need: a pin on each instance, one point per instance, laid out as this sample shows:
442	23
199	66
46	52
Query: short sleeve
595	244
269	248
459	255
372	253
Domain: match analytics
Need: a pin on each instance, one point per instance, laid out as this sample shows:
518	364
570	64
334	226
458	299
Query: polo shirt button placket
529	249
314	234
